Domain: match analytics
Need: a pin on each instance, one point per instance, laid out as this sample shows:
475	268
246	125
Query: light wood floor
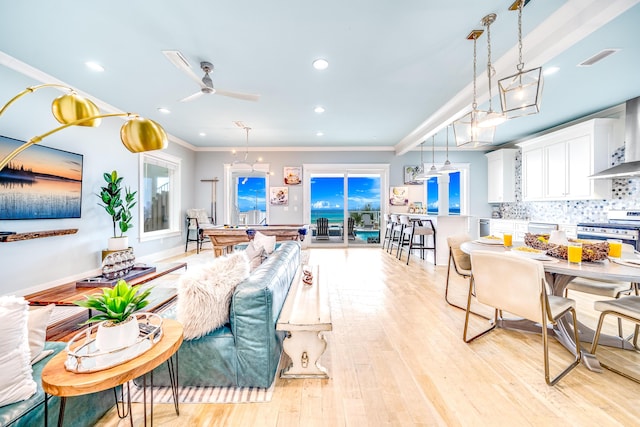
396	358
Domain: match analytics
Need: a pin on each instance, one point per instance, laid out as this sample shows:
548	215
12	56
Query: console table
305	315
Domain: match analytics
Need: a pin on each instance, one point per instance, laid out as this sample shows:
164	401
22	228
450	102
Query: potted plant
118	327
118	209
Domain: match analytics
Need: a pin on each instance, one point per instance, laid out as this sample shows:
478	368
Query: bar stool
422	228
396	233
388	230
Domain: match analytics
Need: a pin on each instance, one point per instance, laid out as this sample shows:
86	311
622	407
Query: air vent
239	124
176	58
597	57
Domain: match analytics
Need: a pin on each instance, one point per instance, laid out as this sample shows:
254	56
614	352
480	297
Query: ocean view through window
327	197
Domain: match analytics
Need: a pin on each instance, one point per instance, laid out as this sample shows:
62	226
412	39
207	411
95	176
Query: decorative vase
118	243
120	335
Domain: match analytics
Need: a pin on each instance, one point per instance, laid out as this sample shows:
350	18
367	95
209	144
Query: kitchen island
447	225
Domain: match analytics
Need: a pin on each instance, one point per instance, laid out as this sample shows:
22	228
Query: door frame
336	168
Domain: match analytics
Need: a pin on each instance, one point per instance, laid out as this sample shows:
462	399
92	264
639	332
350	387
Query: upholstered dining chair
514	284
627	308
322	229
422	229
460	261
197	222
606	288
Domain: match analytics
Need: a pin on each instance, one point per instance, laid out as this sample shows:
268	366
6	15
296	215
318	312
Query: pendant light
421	176
493	118
521	93
433	171
446	167
466	130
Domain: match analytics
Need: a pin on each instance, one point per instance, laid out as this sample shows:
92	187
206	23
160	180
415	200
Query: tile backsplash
624	195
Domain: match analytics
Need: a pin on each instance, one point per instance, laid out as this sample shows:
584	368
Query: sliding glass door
344	203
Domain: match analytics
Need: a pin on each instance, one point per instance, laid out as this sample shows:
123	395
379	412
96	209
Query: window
456	191
159	196
245	194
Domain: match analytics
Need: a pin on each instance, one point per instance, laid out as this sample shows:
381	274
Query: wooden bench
305	315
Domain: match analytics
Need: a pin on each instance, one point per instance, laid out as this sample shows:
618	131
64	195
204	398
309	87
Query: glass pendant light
466	130
493	118
433	171
521	93
446	167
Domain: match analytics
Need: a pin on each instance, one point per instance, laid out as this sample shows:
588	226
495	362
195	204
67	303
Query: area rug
206	394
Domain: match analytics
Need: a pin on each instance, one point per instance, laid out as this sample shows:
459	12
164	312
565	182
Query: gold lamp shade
139	134
73	107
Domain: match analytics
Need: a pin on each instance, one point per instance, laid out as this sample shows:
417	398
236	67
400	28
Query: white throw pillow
37	324
254	254
16	380
267	242
204	294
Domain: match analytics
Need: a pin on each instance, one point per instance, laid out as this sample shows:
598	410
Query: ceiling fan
206	84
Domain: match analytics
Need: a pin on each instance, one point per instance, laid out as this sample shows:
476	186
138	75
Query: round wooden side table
57	381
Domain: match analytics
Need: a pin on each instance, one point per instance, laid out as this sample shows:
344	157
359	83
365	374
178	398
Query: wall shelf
36	235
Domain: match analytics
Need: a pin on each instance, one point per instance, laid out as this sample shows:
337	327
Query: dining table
558	274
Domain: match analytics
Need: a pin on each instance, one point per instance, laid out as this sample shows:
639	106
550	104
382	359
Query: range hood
631	166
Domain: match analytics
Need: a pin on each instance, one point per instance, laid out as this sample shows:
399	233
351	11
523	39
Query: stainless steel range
623	225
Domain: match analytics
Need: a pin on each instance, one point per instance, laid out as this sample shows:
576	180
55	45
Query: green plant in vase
118	327
118	208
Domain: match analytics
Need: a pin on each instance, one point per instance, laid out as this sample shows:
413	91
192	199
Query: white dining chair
606	288
627	308
514	284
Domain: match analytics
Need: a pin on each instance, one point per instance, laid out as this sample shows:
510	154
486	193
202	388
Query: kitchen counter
447	225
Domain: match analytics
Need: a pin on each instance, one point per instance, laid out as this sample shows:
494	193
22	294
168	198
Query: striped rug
189	394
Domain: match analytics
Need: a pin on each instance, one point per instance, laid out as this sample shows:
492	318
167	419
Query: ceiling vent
597	57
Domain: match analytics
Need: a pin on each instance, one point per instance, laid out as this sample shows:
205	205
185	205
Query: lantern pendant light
521	93
447	168
465	129
493	118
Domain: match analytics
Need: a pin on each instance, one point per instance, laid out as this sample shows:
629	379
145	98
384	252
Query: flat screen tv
40	183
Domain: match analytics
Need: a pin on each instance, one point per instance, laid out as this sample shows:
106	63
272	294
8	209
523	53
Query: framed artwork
399	196
292	175
410	173
40	183
417	205
279	195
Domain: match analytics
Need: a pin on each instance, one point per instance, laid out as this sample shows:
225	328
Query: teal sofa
80	411
246	351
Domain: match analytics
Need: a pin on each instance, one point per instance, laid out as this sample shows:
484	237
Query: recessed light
550	70
319	109
319	133
164	110
320	64
202	134
94	66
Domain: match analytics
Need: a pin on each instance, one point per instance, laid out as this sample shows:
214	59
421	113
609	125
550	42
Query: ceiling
396	75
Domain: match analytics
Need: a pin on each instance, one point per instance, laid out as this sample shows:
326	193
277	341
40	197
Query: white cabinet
501	170
557	166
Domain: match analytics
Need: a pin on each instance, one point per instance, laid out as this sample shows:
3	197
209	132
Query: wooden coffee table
57	381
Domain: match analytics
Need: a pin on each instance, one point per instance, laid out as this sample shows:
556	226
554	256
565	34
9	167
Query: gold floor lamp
137	134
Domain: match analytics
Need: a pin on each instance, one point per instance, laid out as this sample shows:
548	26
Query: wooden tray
101	282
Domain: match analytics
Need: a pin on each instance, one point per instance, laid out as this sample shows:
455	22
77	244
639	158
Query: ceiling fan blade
178	59
238	95
192	97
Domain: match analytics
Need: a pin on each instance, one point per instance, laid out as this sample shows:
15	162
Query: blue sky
247	192
328	192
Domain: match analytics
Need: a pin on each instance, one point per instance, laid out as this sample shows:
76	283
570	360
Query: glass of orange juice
615	248
574	253
507	239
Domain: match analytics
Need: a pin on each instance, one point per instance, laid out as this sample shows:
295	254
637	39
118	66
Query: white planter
118	243
111	337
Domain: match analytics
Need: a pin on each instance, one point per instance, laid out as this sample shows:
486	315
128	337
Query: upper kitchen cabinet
501	171
557	166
